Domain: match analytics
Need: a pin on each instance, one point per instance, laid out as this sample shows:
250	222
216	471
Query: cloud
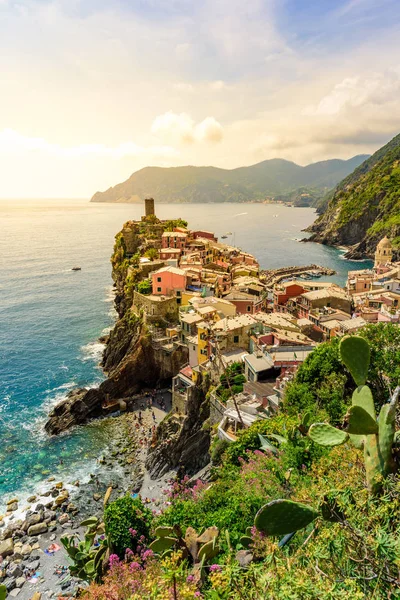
13	142
209	130
182	128
355	92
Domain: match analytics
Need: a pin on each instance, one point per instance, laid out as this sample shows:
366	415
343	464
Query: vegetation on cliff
346	543
210	184
365	205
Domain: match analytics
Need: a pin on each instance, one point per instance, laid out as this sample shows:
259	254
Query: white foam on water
92	351
110	294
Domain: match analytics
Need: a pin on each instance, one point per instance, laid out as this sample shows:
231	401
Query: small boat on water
76	269
223	237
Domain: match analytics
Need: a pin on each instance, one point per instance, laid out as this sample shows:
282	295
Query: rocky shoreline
27	565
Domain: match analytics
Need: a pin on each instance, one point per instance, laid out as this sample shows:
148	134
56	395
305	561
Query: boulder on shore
79	406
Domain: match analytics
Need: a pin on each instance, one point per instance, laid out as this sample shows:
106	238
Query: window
178	300
178	293
158	289
248	308
235	339
159	279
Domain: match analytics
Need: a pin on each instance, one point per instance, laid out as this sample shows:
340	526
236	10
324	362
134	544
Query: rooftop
258	363
177	234
352	324
277	320
331	292
173	270
232	323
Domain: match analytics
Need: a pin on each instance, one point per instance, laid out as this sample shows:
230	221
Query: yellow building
383	253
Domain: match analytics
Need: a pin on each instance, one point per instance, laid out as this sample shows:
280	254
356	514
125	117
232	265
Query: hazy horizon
94	91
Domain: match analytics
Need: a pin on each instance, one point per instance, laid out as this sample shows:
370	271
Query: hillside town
247	329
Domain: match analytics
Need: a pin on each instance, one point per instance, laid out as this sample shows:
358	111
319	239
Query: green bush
124	514
144	287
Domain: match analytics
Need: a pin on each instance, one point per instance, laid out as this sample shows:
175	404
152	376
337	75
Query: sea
52	317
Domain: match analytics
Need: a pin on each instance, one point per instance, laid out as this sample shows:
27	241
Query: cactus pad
362	396
387	425
164	531
246	541
163	543
326	435
208	551
208	535
284	516
361	422
355	354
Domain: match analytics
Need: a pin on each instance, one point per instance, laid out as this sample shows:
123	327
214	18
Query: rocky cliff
131	360
364	207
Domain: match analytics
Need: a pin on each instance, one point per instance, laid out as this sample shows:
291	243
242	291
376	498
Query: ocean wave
92	351
110	294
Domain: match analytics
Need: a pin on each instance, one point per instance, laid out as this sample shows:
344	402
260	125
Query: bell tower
383	253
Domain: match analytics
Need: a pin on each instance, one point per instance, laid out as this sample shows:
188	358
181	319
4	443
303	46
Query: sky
93	90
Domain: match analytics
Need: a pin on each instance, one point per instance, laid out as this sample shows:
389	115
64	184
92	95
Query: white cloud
209	130
357	92
182	128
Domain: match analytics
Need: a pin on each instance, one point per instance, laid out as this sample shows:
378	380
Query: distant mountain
365	206
210	184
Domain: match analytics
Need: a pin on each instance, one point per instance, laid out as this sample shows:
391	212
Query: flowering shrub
123	516
145	578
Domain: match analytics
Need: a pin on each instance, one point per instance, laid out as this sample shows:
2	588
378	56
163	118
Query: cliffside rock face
79	406
182	439
132	362
365	206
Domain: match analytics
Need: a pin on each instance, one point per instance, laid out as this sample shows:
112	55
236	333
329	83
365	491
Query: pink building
173	239
168	281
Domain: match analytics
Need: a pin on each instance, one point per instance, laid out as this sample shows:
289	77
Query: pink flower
190	578
134	566
113	560
133	532
147	554
197	594
215	568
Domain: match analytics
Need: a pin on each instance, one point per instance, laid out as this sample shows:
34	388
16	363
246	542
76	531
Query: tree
144	287
151	253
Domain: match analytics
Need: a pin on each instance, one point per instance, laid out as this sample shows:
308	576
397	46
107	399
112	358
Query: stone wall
155	307
216	410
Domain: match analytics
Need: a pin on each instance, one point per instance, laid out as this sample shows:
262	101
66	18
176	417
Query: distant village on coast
214	299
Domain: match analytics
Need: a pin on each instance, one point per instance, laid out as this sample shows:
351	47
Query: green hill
365	206
210	184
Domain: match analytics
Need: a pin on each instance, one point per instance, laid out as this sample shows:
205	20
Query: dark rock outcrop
78	407
183	440
132	363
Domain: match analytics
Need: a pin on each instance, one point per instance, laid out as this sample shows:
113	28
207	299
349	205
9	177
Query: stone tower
383	253
149	207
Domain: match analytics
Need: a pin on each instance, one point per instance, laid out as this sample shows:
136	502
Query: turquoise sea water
51	317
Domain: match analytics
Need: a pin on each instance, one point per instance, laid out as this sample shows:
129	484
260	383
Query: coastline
121	467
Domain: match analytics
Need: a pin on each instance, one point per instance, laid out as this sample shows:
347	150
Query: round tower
383	253
149	207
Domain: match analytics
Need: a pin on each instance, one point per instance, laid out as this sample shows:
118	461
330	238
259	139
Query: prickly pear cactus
326	435
163	543
284	516
3	592
361	422
355	354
